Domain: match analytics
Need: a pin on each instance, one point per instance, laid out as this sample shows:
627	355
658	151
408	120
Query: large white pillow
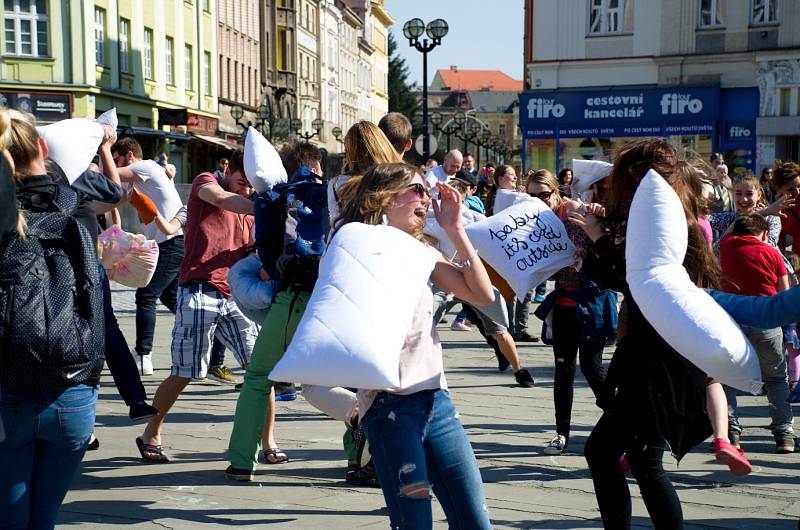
434	230
252	294
507	198
525	243
587	172
109	117
685	316
371	279
262	164
72	144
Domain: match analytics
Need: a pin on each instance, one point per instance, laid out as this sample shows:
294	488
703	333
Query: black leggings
567	335
611	438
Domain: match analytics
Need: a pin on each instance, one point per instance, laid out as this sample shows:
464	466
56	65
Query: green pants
251	408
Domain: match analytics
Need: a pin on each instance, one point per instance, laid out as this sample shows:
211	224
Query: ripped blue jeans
418	445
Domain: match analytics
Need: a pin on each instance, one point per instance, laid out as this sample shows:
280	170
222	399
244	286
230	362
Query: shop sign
740	131
673	110
201	124
46	107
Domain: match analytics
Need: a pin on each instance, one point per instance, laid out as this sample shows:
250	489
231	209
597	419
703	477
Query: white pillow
252	294
109	117
526	244
72	144
434	230
371	279
507	198
685	316
262	164
587	172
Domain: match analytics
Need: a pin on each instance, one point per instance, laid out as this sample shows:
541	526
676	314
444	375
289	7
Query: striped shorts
203	312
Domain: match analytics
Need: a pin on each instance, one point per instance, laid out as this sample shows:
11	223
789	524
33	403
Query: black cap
466	177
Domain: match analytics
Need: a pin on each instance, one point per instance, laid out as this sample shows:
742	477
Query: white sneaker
556	445
145	364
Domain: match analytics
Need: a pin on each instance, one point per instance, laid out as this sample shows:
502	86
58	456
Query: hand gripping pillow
370	281
109	117
684	315
72	144
129	259
262	164
252	294
526	244
434	230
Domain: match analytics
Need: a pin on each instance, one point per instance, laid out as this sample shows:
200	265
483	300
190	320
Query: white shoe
556	445
145	364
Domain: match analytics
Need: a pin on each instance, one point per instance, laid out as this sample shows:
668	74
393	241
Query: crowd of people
59	323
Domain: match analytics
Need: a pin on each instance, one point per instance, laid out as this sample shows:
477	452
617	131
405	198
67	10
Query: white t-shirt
159	188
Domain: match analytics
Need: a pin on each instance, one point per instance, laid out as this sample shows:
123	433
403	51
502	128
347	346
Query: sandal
151	453
275	455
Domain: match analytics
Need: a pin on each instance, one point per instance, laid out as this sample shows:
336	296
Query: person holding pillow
417	441
786	185
653	398
570	338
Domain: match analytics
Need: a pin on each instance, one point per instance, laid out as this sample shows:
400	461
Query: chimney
454	68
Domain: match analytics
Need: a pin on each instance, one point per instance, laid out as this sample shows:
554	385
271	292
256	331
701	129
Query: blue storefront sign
607	113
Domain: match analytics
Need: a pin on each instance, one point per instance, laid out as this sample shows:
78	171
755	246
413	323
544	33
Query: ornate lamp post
467	131
297	124
436	30
337	133
447	130
263	113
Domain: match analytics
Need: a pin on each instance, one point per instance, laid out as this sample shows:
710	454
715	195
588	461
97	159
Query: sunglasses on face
419	189
542	195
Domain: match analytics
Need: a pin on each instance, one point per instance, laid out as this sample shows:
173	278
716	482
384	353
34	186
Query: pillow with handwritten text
526	244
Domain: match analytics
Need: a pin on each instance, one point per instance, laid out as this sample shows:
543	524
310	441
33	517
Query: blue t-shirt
475	204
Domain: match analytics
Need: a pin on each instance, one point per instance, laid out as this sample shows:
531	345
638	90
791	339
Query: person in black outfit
653	399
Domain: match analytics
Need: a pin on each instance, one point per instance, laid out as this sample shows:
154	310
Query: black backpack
51	303
291	224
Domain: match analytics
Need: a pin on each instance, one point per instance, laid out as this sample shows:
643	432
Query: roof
494	101
457	79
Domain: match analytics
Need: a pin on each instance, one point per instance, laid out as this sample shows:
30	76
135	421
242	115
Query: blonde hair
543	176
19	144
367	199
365	145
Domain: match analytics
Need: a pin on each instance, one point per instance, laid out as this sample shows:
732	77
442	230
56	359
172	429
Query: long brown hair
498	172
367	199
633	161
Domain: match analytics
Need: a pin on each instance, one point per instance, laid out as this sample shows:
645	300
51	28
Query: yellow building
379	24
144	57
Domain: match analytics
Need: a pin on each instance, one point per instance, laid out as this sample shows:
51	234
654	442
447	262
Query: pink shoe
458	325
732	457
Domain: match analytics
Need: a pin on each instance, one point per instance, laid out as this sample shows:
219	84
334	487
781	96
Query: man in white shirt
450	166
150	179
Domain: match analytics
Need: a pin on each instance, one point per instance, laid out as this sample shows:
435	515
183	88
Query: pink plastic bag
129	259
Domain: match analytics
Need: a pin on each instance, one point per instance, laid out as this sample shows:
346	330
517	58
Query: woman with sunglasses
416	439
575	302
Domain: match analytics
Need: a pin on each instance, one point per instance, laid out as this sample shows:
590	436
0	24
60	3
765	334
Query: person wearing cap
470	181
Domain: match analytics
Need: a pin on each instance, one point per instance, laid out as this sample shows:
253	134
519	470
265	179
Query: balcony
285	17
285	79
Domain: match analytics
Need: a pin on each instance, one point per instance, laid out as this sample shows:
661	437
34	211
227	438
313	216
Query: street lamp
436	30
447	130
482	141
337	133
317	125
467	132
263	113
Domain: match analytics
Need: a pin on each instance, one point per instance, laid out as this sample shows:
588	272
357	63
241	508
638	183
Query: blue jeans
417	443
163	286
42	443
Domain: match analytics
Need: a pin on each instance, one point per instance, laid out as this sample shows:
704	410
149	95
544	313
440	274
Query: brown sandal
275	455
151	453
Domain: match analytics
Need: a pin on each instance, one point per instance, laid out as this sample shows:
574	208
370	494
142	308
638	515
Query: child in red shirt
752	267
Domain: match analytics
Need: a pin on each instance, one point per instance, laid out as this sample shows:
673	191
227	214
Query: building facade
279	63
350	28
708	74
308	61
330	18
145	58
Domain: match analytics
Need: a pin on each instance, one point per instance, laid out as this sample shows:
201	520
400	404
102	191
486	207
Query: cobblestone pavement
507	425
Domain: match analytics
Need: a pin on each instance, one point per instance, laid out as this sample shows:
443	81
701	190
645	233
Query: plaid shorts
203	312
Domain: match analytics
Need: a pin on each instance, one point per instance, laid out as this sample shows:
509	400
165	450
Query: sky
484	35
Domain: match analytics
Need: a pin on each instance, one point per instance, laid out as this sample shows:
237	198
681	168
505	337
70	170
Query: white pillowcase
587	172
371	279
262	164
252	294
685	316
109	117
525	243
506	198
72	144
434	230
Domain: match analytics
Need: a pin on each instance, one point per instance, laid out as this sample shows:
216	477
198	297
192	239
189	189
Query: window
148	53
99	35
25	25
711	14
187	67
124	48
606	17
204	5
169	54
207	73
764	12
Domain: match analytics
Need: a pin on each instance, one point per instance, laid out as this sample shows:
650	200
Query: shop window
764	12
25	27
124	45
710	14
610	17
